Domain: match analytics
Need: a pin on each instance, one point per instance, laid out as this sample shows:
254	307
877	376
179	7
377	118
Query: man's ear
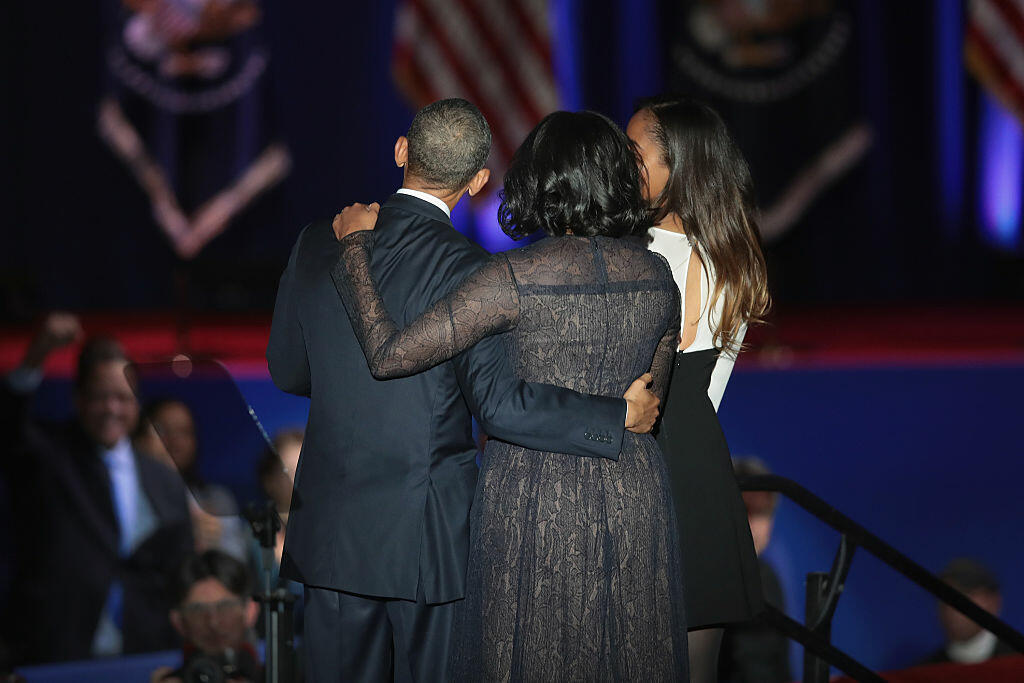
177	622
478	181
401	151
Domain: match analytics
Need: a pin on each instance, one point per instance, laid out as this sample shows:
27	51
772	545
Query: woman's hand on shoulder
354	218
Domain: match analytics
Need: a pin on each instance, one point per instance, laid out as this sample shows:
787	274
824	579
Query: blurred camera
207	669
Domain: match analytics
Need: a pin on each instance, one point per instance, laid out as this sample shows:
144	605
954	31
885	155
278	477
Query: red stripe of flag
1011	14
996	63
511	75
468	82
539	43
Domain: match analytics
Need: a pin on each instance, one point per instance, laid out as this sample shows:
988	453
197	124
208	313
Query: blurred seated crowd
117	544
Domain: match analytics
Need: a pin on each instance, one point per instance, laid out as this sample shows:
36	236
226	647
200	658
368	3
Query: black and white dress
574	568
722	577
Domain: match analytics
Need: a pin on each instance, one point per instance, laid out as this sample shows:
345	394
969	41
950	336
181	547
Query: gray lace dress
574	570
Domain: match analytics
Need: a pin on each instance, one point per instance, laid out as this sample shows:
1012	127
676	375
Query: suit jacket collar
405	202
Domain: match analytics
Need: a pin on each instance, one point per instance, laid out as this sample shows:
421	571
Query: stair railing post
816	670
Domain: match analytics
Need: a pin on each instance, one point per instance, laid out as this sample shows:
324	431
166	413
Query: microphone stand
278	636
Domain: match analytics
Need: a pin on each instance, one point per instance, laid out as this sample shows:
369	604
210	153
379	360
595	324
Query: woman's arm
723	369
485	303
665	354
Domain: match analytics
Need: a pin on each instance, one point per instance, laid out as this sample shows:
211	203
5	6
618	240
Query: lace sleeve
665	354
485	303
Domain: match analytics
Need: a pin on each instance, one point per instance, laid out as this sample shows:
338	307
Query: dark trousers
353	638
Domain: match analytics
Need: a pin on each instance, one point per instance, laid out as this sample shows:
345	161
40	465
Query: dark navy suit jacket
388	471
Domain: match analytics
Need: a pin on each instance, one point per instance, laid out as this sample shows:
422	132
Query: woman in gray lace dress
575	572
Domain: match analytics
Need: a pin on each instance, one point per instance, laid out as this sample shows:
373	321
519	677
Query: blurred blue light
564	18
464	218
1001	148
638	55
488	231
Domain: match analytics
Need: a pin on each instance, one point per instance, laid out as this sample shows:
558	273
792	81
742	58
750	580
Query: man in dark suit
96	526
966	642
378	529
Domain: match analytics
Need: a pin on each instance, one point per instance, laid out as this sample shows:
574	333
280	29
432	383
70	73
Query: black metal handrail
821	606
816	644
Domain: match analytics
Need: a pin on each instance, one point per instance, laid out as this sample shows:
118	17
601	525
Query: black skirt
719	564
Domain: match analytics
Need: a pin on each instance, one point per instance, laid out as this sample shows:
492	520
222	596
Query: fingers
642	382
355	217
641	409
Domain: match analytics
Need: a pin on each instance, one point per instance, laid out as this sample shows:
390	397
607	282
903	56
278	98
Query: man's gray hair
449	141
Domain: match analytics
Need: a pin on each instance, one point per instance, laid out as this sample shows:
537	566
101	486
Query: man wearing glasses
214	612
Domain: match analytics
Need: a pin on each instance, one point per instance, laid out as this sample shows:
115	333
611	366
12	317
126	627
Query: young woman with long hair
705	225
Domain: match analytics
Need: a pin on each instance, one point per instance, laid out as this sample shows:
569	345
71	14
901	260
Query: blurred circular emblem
760	50
188	56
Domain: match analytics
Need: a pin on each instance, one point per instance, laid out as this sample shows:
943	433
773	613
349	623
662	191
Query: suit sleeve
286	349
538	416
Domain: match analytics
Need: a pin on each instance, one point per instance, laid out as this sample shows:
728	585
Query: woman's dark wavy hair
710	189
578	173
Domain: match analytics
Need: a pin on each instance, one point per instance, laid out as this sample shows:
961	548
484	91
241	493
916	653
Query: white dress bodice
676	249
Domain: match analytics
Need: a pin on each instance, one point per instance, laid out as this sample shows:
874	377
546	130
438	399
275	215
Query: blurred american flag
494	53
994	49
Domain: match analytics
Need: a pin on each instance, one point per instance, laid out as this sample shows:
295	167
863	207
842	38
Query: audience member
214	612
966	642
277	476
277	468
167	431
96	525
276	473
755	652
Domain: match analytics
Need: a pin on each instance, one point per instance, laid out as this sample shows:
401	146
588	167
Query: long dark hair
149	415
710	189
575	172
